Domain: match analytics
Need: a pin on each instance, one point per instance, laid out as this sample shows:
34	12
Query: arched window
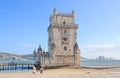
63	22
65	48
65	38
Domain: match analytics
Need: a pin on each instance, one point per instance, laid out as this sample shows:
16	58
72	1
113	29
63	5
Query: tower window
64	22
65	38
65	48
65	32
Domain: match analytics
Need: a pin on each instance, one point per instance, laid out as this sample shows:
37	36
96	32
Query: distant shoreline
100	67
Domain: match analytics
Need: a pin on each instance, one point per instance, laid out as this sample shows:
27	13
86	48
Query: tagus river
83	63
100	63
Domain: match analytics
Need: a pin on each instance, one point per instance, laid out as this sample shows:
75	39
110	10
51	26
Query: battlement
62	18
64	14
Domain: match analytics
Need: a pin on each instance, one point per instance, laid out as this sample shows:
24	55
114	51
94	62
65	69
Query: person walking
34	69
41	70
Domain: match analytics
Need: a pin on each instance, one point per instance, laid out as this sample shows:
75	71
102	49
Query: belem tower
63	49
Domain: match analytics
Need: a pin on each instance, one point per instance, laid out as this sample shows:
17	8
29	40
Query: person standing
34	69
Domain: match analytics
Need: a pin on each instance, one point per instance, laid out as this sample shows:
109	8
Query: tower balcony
69	25
64	14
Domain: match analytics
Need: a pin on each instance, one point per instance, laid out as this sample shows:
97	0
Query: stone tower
62	36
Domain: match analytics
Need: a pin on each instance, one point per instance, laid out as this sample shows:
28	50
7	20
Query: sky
24	23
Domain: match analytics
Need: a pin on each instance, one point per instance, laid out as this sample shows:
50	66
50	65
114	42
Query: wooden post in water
0	67
3	66
15	66
12	66
22	66
28	66
8	66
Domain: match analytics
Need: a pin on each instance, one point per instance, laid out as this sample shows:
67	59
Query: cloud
26	45
118	38
108	50
96	47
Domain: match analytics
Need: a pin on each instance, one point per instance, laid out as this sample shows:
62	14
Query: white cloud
108	50
26	45
118	38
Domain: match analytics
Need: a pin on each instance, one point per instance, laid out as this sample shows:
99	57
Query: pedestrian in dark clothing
41	70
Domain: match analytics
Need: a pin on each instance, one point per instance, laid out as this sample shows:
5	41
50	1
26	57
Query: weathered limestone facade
62	45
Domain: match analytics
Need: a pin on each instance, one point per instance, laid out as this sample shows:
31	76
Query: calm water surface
83	63
100	63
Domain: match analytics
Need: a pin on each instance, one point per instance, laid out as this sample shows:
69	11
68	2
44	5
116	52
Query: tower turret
35	53
39	48
73	13
55	11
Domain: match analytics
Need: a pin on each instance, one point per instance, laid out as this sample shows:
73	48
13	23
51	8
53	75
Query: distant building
103	58
62	45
